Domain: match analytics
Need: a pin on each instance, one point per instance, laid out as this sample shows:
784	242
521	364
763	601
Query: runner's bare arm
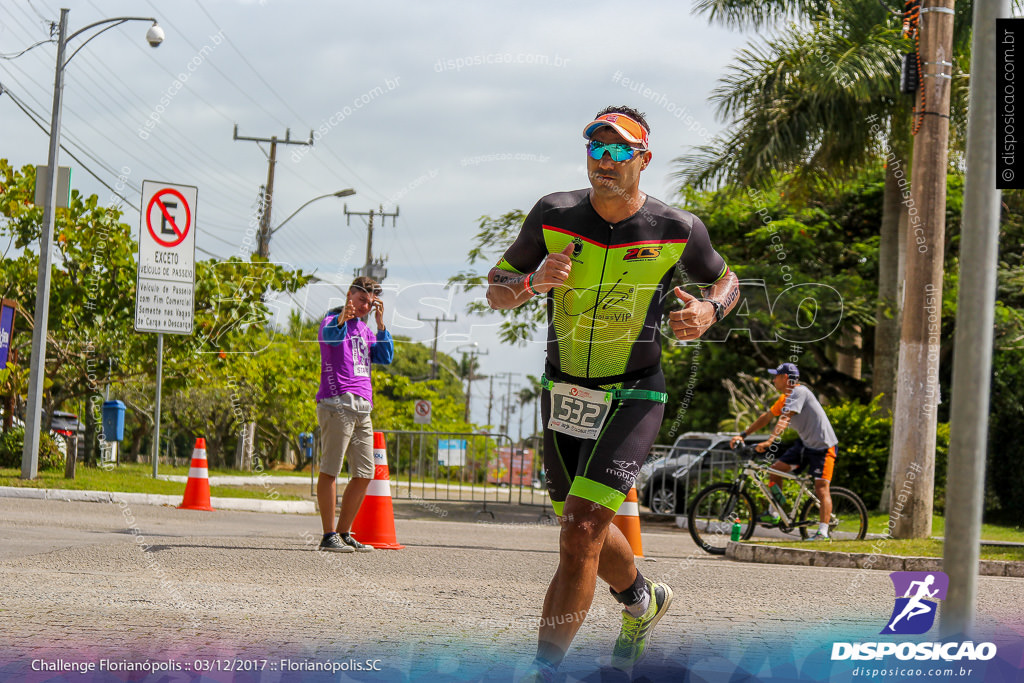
725	291
506	290
697	315
509	290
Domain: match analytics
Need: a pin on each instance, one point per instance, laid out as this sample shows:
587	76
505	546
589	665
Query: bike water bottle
737	531
778	495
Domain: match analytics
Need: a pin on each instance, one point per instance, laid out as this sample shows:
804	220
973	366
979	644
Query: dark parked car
672	473
64	426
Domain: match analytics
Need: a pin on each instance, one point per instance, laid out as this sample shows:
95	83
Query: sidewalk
245	504
768	554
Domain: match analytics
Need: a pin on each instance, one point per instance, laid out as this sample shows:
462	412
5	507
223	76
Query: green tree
493	237
92	306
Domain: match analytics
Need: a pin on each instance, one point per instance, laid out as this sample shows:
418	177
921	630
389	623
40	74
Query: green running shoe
633	639
769	519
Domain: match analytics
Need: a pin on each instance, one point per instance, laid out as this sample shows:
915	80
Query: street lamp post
37	365
347	192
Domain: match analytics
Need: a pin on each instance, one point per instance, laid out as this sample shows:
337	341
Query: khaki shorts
345	432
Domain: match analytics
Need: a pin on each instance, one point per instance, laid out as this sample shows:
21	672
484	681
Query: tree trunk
9	406
915	417
245	447
850	363
92	442
72	458
901	269
136	447
887	330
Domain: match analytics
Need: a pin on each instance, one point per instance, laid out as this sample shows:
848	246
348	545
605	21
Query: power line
63	147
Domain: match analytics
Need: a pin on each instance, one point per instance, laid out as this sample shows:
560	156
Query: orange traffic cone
628	521
197	489
375	522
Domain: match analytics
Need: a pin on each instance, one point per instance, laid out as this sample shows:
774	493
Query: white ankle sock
823	528
637	610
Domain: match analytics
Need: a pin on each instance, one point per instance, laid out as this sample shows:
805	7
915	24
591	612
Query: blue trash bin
113	421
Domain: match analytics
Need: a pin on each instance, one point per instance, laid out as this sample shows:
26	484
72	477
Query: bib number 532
578	411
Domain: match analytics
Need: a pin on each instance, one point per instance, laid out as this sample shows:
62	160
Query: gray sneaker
633	639
333	544
354	544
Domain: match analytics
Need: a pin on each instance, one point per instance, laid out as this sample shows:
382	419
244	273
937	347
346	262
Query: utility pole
972	360
490	402
374	268
263	244
917	392
506	412
437	321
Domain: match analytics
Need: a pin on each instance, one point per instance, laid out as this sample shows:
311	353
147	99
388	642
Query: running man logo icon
913	612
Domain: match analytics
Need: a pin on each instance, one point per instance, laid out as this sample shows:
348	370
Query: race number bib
360	357
578	411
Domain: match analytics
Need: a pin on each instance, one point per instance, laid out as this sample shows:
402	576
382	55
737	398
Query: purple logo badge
916	601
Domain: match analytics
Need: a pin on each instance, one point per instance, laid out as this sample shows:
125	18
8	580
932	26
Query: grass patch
135	478
877	524
916	547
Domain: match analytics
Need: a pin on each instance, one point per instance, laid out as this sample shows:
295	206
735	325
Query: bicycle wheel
849	516
713	513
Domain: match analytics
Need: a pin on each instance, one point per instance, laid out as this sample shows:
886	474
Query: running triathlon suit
604	328
815	450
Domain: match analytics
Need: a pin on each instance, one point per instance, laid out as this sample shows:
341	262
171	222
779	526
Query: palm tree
801	104
526	395
821	101
469	370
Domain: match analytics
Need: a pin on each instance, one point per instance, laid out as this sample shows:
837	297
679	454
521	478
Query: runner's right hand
554	271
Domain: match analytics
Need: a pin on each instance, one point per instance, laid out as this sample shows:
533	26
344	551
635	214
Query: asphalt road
156	586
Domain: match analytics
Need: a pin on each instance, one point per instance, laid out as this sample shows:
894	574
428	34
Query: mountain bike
717	507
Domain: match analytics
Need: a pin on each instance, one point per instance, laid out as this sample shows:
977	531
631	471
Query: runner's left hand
378	311
693	319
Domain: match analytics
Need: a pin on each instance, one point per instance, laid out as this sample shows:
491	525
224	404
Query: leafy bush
1004	477
13	441
863	450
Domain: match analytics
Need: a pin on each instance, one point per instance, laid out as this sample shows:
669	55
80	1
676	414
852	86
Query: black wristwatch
719	309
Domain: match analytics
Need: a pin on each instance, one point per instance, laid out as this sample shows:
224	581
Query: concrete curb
243	504
769	554
255	480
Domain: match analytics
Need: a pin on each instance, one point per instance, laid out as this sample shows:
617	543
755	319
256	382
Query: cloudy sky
444	111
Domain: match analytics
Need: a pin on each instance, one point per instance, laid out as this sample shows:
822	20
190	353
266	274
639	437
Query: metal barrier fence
464	467
671	476
458	467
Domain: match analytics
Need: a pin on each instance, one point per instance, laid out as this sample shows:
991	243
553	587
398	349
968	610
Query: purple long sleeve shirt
346	353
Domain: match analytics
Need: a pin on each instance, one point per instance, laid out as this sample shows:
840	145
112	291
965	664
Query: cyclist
603	258
815	449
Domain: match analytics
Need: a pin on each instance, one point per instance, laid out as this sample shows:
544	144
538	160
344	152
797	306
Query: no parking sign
165	296
422	412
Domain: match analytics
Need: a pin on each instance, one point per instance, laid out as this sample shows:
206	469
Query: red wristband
528	284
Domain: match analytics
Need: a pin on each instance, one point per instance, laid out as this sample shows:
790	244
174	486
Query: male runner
604	259
816	448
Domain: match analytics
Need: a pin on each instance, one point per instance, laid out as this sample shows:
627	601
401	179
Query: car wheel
663	500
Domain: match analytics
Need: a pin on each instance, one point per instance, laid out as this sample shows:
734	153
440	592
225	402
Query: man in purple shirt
343	405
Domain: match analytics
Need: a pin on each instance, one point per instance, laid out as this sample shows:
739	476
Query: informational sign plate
165	296
7	309
451	452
